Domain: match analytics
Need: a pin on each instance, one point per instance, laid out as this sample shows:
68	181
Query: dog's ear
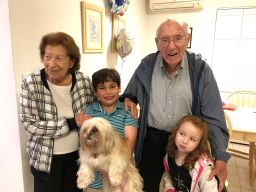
81	139
109	142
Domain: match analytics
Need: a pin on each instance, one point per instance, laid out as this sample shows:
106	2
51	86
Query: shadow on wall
28	178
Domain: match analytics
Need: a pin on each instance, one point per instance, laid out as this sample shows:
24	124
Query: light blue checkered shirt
170	97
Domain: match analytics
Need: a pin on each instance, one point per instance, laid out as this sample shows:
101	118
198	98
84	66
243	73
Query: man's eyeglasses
177	40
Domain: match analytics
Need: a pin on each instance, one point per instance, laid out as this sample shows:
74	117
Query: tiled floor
238	173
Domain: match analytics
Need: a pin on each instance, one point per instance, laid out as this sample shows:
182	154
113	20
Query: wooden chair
234	152
243	99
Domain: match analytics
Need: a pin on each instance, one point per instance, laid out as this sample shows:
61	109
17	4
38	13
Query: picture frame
190	30
92	28
118	22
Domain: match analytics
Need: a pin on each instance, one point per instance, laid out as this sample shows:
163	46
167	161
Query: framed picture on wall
118	22
190	30
92	28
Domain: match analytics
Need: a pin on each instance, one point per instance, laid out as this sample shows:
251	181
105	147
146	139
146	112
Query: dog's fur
101	148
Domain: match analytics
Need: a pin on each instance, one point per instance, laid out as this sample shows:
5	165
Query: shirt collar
98	107
184	62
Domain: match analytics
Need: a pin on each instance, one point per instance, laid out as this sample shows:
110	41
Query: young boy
106	87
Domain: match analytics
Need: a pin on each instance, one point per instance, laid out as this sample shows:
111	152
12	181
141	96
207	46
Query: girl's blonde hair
203	147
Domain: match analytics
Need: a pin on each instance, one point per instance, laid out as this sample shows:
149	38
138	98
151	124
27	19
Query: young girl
188	161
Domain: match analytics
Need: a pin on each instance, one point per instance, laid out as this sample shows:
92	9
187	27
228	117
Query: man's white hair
184	26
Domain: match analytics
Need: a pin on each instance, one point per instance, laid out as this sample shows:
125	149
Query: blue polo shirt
118	118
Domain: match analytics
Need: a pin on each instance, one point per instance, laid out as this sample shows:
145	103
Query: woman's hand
81	117
128	104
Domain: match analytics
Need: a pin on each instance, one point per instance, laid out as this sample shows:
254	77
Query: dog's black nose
94	130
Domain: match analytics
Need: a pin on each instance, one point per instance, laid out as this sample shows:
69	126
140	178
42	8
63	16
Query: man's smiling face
172	42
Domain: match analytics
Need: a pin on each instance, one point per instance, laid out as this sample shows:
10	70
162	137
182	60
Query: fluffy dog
101	148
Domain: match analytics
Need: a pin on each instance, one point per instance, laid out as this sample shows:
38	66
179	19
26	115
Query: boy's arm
130	130
130	133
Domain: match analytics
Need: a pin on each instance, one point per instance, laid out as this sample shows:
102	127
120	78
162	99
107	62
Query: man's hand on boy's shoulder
128	104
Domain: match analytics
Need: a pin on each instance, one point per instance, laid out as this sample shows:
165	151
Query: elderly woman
49	101
51	105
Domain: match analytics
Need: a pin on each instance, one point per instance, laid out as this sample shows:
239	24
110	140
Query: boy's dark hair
105	75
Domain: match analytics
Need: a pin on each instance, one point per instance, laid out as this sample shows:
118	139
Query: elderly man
168	85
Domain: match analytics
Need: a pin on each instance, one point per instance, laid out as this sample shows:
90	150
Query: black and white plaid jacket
38	114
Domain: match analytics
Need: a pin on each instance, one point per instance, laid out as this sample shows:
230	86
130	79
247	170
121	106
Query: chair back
244	98
229	124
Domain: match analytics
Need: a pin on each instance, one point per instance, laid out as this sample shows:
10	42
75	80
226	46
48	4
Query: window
234	58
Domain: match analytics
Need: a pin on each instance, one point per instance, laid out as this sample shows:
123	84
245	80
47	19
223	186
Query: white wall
203	23
10	161
30	20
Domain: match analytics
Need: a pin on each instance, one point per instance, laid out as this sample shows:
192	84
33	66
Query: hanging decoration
118	6
124	43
